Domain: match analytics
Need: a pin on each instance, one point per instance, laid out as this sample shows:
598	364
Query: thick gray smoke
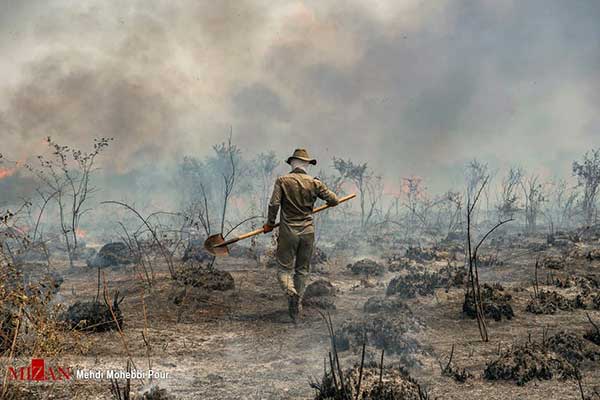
412	87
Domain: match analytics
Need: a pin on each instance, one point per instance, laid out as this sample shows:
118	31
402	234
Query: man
296	193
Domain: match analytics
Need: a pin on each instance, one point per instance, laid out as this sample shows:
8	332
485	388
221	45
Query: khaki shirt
296	193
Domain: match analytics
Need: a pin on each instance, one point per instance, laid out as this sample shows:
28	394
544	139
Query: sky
412	87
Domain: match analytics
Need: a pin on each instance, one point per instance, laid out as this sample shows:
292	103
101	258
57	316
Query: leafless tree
414	193
533	194
420	206
368	186
477	172
453	204
197	193
65	178
587	173
561	205
472	252
227	160
265	164
508	203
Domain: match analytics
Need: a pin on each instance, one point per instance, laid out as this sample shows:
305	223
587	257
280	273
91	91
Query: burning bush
367	267
496	303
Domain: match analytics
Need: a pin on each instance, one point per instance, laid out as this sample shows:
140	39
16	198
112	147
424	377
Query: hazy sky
413	87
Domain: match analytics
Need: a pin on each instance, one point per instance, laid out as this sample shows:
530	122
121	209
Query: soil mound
496	303
318	257
572	348
553	262
94	316
238	251
366	266
197	275
319	294
112	255
156	393
424	283
548	302
529	361
399	264
489	260
395	384
593	335
382	332
420	254
319	288
389	304
195	251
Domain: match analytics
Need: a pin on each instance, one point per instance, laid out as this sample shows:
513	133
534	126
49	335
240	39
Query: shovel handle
262	230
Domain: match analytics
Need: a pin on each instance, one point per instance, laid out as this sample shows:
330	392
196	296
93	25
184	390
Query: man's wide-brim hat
301	154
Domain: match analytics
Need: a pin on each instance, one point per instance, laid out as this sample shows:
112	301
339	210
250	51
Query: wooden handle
340	201
261	230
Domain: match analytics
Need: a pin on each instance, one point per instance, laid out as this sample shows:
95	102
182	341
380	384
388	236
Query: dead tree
472	259
508	203
560	208
226	162
265	164
414	192
65	178
367	184
197	194
477	172
587	173
454	200
533	194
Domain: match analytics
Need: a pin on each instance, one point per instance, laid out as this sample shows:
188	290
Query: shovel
217	245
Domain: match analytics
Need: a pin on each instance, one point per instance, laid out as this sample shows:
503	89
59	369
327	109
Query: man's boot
294	308
300	285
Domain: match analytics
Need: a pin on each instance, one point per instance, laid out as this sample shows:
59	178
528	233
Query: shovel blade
213	245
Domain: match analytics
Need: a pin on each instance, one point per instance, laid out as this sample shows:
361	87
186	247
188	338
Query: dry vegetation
490	292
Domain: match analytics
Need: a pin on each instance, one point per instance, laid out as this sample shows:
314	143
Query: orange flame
6	172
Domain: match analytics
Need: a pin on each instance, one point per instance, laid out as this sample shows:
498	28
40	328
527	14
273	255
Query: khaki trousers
294	251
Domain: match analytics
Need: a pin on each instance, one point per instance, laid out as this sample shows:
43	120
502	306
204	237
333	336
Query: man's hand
267	228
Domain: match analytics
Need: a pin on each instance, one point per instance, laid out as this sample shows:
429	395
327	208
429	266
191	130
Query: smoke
411	87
